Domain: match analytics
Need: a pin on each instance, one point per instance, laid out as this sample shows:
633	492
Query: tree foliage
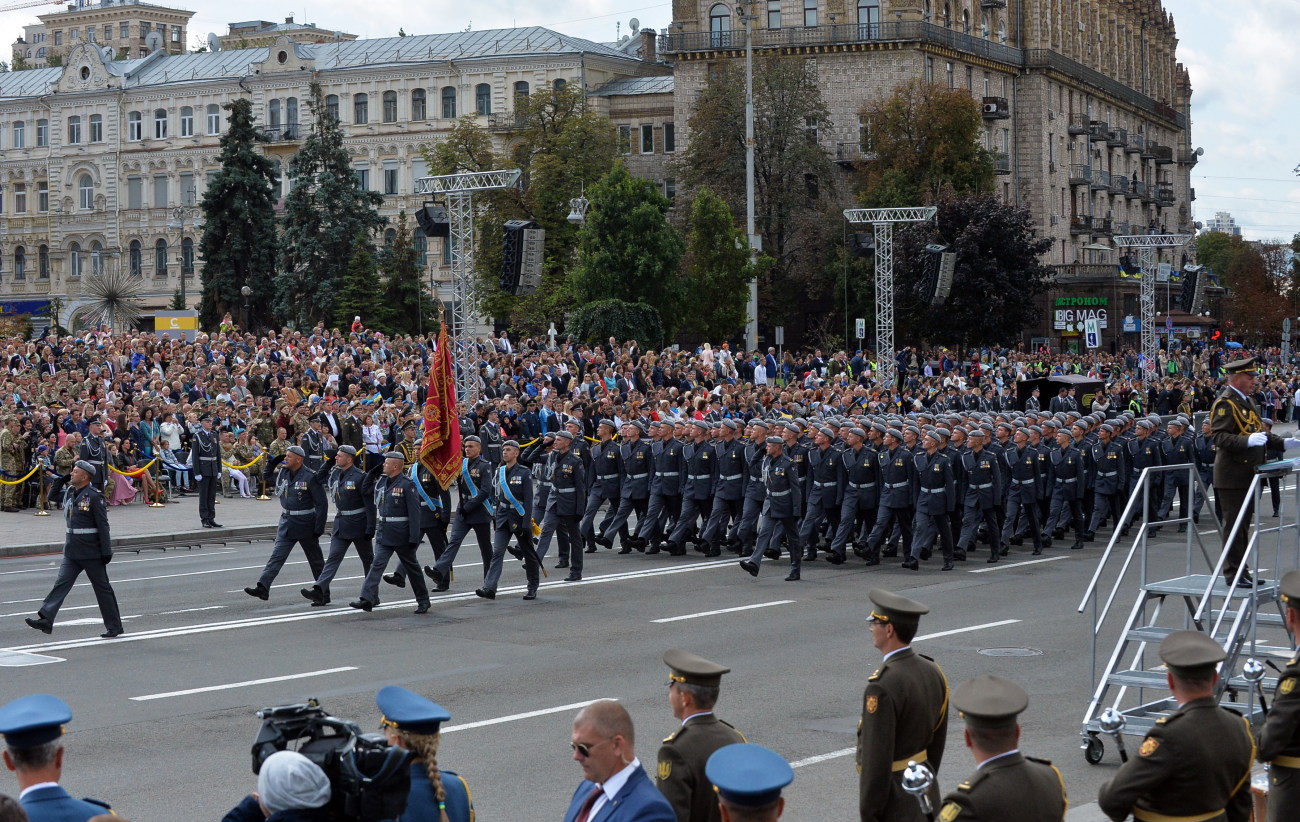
717	271
922	141
405	308
1257	300
629	251
997	276
360	294
325	210
598	321
239	238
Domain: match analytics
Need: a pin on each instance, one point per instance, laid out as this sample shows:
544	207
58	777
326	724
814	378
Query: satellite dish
154	42
1200	152
214	42
634	24
108	53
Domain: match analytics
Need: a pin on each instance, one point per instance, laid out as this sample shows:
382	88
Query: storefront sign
1072	319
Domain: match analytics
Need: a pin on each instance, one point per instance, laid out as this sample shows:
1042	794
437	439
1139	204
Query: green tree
325	211
359	291
54	60
178	302
239	239
629	251
717	270
406	310
921	141
20	63
596	322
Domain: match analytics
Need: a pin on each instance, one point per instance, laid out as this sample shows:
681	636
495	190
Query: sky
1241	56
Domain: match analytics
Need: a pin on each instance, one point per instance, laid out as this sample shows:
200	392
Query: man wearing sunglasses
615	788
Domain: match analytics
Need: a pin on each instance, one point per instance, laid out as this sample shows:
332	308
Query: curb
138	542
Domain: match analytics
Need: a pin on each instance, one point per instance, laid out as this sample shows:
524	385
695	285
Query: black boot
260	591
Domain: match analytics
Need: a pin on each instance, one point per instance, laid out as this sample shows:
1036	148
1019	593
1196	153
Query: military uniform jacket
1110	460
860	474
92	451
350	433
352	493
314	444
1203	449
1022	474
731	470
669	468
798	454
936	489
682	756
1143	454
519	480
1009	787
568	490
1195	761
479	472
1279	741
1180	451
438	514
638	464
1044	452
303	505
86	524
54	804
754	454
897	478
904	717
823	484
606	470
1232	419
1068	473
491	436
782	486
983	479
397	511
422	801
701	470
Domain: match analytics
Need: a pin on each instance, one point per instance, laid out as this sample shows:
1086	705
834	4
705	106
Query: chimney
648	46
289	20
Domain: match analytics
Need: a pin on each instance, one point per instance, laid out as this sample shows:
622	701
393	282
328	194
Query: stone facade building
259	33
122	25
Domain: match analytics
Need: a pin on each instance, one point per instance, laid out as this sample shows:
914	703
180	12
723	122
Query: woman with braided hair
412	722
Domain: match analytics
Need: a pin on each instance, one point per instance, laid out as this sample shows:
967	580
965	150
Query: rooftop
636	85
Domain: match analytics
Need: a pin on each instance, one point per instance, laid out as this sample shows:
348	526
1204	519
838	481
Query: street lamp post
180	215
247	292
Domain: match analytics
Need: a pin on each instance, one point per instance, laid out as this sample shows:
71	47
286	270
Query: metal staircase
1131	693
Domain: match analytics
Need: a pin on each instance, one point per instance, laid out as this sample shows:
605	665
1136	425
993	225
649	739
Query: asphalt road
164	715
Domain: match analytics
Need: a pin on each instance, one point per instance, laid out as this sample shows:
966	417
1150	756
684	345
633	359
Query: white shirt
692	716
610	788
891	653
36	787
996	758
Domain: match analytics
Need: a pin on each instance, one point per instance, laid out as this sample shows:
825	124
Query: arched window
160	124
74	130
419	110
187	257
74	259
135	258
273	114
521	88
361	108
291	111
20	263
947	14
96	258
390	107
868	19
449	102
134	126
43	262
965	20
86	190
483	99
719	26
984	24
160	258
390	236
332	105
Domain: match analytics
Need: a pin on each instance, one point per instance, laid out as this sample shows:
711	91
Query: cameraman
290	788
413	722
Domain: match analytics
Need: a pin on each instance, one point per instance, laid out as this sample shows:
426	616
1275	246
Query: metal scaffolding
883	219
459	190
1148	245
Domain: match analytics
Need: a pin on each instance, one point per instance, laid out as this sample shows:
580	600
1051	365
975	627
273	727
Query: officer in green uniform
1195	763
1279	741
904	713
1006	784
749	780
693	688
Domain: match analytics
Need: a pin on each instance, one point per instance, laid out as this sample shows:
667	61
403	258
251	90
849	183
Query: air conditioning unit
990	108
1051	165
1051	115
1053	220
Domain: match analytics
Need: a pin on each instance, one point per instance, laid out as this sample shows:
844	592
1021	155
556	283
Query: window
42	133
521	90
20	198
160	124
390	107
418	107
420	244
624	139
970	80
482	99
74	34
96	128
332	105
108	31
214	118
160	258
188	192
97	258
124	30
929	69
74	130
74	259
86	192
42	197
363	177
868	19
43	262
446	251
360	108
92	34
719	26
947	69
670	138
20	134
291	115
273	114
774	14
947	14
187	121
176	34
20	263
58	38
160	191
390	237
390	180
647	138
448	103
145	28
810	12
135	259
670	190
134	126
187	257
135	192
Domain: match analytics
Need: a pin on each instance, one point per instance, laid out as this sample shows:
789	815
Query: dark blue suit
639	800
53	804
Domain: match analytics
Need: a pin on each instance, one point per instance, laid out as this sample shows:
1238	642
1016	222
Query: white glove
1291	442
1258	438
198	478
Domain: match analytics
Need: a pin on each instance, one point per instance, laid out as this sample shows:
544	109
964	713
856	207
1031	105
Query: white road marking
1003	565
20	659
65	608
191	610
249	683
967	630
116	561
93	620
20	601
346	579
813	760
187	630
515	717
724	611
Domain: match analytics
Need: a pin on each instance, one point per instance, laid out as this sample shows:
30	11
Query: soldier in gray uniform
303	508
1068	474
93	451
637	458
312	442
491	436
606	476
564	502
512	518
729	489
860	477
665	489
354	518
1110	462
823	489
897	495
780	512
1022	495
1203	450
205	462
983	489
474	488
397	531
745	532
435	514
697	493
1178	449
936	495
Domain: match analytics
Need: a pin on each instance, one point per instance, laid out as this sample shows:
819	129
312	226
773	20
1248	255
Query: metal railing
1048	59
1080	174
1085	271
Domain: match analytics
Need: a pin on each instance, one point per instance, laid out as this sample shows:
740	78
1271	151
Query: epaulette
101	803
1039	760
875	676
923	656
674	734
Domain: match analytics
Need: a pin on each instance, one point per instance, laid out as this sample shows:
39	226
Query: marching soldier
904	714
1110	461
435	508
780	511
693	688
354	518
568	477
1143	452
1203	450
1176	450
474	490
983	489
665	489
397	531
205	462
745	532
511	518
637	459
823	490
1022	493
606	476
1006	784
859	476
1279	741
897	496
303	508
936	495
1194	763
1067	489
697	493
729	489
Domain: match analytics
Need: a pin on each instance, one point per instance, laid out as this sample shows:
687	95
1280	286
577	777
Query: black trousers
208	498
1235	502
97	572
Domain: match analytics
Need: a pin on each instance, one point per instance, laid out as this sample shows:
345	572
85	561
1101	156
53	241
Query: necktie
585	813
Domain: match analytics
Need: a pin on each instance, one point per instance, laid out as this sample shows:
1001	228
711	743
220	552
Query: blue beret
408	711
748	775
34	720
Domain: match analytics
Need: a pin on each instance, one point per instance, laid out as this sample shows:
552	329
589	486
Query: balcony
1135	189
1164	195
993	4
1098	130
1078	125
1081	225
1188	157
1083	271
1121	228
1001	163
1054	61
1080	175
1149	147
1117	138
849	154
283	134
1100	180
1134	144
1119	184
1164	155
996	108
1103	225
1146	191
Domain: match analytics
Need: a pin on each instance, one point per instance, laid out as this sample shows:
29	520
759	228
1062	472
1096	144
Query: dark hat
826	431
85	466
608	424
348	449
297	449
1107	427
395	455
471	438
510	443
568	435
858	432
700	424
1246	366
990	701
94	419
1264	420
895	609
1190	653
640	426
792	426
1034	429
748	775
732	424
408	711
894	432
943	432
204	417
761	424
409	424
977	432
34	720
1290	588
774	441
691	669
880	426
